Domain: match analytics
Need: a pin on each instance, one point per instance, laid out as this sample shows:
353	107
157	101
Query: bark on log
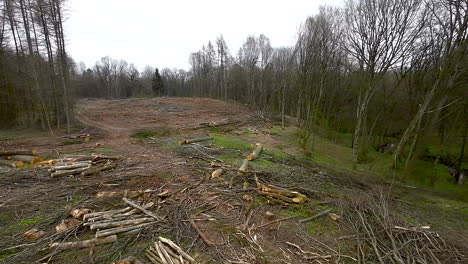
254	155
18	152
117	211
244	166
68	172
85	243
76	165
117	230
26	158
177	248
96	170
120	223
12	163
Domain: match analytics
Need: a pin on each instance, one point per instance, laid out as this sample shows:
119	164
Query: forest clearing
227	217
247	132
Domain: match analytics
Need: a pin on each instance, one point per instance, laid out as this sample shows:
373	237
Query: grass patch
103	150
7	253
147	133
71	141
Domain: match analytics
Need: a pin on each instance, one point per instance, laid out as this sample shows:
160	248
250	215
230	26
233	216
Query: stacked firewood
18	158
81	164
165	251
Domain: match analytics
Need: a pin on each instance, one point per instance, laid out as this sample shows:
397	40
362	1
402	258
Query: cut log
68	172
117	211
244	166
76	165
136	206
217	173
18	152
46	162
26	158
12	163
117	230
177	249
254	155
98	169
121	223
194	140
85	243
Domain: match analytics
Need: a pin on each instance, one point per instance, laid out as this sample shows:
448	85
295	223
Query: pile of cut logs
109	224
165	251
18	158
81	164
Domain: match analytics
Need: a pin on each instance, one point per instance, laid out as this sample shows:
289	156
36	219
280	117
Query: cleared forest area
287	206
346	146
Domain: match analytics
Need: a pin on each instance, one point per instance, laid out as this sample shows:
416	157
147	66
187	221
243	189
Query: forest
348	146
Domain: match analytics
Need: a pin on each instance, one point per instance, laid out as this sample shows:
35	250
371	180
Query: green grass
147	133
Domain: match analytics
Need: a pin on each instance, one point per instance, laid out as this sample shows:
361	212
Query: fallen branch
98	169
194	140
120	223
136	206
85	243
68	172
202	235
315	216
177	249
117	230
276	221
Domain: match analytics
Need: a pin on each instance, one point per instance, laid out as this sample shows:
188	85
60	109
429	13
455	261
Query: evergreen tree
157	84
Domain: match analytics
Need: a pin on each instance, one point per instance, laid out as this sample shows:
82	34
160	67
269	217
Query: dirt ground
232	222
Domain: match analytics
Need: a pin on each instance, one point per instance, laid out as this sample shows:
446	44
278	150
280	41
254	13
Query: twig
202	235
315	216
276	221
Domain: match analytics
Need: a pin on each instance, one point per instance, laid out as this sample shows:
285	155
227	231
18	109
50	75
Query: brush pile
165	251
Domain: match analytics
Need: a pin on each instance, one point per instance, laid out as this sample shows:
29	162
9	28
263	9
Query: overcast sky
164	33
